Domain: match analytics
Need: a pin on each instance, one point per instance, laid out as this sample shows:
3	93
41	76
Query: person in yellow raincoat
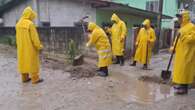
28	47
144	43
99	38
183	66
118	33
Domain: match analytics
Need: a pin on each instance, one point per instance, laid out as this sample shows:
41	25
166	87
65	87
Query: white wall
66	12
57	12
44	10
10	17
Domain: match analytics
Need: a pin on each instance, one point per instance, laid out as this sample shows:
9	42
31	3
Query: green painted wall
141	4
170	8
105	16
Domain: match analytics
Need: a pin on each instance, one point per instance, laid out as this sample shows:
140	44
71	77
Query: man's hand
106	28
136	44
171	50
87	45
122	39
150	44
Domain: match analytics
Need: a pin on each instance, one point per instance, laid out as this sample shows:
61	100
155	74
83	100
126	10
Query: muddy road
122	90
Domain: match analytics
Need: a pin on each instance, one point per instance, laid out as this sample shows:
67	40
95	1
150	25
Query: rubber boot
181	89
106	70
122	61
145	66
133	64
103	72
117	60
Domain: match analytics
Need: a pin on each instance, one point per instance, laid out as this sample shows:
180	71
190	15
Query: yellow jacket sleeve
190	38
35	37
93	38
153	36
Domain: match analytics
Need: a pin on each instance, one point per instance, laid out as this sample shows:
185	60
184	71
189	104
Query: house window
152	6
45	24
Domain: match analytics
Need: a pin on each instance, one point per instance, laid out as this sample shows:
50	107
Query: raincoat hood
115	18
28	13
147	23
185	17
91	26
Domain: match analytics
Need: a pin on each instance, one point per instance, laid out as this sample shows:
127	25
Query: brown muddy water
133	90
122	90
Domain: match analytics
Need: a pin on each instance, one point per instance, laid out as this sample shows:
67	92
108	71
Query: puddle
133	90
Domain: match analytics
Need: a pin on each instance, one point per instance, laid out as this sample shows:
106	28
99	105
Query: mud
53	64
76	72
8	50
86	70
143	91
154	79
120	91
83	71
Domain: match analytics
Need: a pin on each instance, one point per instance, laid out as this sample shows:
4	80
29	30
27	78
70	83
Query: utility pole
160	14
159	20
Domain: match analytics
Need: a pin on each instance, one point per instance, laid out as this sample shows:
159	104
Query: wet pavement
120	91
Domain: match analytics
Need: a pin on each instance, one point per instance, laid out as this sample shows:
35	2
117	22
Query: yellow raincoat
99	38
118	33
28	44
184	63
145	36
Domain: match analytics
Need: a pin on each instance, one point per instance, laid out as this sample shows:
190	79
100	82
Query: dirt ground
84	90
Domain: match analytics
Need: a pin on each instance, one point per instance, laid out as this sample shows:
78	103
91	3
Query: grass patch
8	40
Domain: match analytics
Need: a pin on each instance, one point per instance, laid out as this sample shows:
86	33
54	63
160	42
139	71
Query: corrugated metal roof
99	4
9	5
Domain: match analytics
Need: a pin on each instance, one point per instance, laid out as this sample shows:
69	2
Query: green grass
8	40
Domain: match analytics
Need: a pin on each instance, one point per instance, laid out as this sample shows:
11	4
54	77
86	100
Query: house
59	13
67	13
55	13
170	8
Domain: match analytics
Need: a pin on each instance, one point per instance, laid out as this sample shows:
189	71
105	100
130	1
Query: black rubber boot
122	61
181	89
103	72
106	70
133	64
145	66
117	60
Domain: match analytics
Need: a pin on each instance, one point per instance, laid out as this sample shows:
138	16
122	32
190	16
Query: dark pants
120	60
